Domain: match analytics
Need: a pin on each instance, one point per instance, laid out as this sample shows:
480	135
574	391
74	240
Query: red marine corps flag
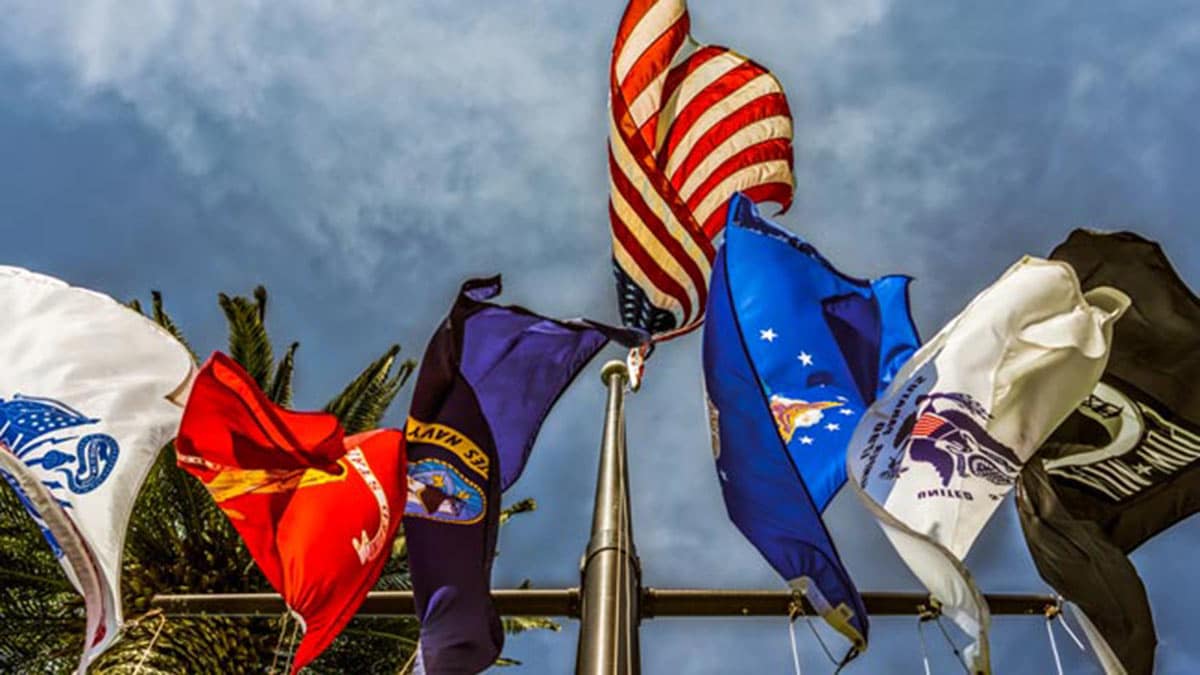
691	125
317	509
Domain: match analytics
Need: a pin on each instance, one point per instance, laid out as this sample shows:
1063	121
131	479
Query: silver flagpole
610	612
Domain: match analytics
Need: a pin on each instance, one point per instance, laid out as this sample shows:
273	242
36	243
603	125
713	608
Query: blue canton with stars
794	352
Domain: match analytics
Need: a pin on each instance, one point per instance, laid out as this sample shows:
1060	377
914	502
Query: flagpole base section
610	610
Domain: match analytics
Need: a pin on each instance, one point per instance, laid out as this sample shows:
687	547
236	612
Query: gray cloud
362	158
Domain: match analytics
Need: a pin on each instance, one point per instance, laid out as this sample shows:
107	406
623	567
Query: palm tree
179	541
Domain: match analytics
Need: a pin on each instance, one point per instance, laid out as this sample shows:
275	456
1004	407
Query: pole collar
614	369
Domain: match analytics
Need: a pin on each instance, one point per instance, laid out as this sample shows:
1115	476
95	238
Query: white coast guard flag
933	458
88	392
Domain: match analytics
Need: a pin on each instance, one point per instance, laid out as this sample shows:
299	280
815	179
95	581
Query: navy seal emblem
437	491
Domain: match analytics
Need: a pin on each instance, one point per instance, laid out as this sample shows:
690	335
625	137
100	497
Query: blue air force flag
89	393
934	457
794	352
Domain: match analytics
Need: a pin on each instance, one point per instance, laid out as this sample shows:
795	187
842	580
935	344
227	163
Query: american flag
691	125
927	425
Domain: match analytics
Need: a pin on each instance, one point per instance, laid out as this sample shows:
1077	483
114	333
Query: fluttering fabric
934	457
489	377
794	352
1126	464
90	392
690	125
318	510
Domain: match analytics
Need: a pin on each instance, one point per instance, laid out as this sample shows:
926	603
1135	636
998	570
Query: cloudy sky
361	158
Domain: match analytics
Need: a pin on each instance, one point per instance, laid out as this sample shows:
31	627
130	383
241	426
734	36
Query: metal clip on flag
794	352
89	394
933	458
635	364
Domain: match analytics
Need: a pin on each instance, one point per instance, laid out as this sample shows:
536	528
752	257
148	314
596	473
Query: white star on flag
769	334
832	426
805	359
846	411
805	440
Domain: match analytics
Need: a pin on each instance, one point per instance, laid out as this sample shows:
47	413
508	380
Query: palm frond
280	390
362	404
161	317
519	624
527	505
371	646
260	302
248	341
165	646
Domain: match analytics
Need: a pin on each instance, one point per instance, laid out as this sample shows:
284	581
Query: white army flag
933	459
89	392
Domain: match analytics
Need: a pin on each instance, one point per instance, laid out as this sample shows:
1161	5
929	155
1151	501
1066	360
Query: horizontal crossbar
656	602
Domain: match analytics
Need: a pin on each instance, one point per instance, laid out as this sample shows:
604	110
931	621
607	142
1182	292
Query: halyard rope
1055	612
283	622
792	637
292	647
150	647
924	648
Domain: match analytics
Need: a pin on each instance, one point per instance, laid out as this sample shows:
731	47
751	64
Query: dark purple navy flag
489	377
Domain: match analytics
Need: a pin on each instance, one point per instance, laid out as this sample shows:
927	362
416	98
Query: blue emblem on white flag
948	432
47	433
90	391
794	352
39	431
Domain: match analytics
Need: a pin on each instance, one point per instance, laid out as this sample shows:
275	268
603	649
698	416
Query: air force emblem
792	414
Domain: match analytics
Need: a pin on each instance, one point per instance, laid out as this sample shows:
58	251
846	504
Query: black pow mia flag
1126	465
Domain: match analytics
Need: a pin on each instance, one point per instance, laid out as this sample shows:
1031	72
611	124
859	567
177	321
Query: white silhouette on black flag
1126	464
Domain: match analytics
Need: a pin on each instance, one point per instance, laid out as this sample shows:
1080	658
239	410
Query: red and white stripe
691	125
927	425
